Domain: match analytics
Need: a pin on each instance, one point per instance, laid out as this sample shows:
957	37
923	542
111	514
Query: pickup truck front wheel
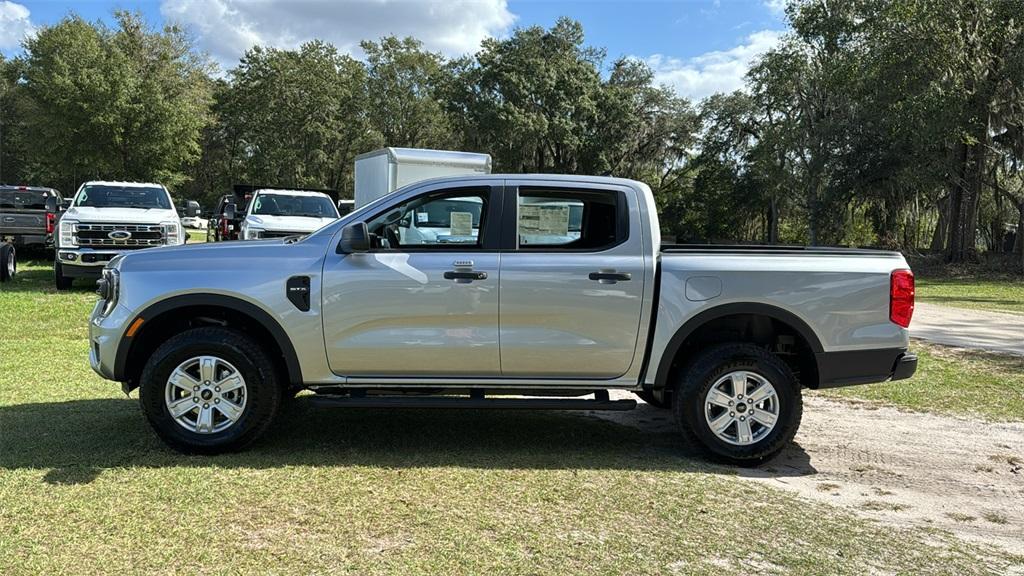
209	390
739	402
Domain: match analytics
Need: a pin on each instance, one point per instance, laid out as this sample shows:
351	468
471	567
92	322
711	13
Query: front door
572	285
424	301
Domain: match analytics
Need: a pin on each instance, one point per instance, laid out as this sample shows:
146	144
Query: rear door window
576	220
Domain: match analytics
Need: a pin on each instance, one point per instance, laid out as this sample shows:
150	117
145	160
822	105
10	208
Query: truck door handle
465	275
610	277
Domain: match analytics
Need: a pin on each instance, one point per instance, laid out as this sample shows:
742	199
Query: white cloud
711	72
15	25
226	28
776	7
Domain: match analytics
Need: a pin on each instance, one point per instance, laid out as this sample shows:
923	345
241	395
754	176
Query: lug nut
205	405
195	388
740	396
195	399
732	413
216	401
217	389
743	418
730	402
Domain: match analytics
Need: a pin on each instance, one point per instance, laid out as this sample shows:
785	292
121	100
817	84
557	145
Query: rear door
572	280
424	302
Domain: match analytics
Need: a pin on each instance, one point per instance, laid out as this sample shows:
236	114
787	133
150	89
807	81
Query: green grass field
86	488
1004	295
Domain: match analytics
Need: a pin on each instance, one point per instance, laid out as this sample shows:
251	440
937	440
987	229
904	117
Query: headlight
252	233
109	288
67	234
172	232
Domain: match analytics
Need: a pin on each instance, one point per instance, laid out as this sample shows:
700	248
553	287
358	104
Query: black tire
263	392
648	397
696	381
61	281
8	262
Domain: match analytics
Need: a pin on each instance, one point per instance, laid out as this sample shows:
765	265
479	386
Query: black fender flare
253	311
733	309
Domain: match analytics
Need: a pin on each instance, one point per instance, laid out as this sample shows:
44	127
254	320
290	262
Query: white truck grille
120	235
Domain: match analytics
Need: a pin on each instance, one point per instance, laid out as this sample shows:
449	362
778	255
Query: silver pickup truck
543	292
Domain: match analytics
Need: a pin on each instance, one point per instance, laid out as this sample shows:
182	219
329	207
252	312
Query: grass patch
85	487
1006	295
952	381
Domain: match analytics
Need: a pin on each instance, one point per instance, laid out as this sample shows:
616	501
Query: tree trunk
941	227
964	203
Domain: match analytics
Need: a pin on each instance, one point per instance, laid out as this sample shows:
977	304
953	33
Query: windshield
269	204
109	196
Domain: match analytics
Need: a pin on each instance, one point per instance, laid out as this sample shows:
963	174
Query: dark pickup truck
28	216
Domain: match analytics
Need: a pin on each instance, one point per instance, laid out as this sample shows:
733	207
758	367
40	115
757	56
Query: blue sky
698	46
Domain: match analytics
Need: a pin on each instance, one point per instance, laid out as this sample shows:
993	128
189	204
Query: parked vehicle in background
275	213
109	218
221	226
195	222
29	214
523	303
345	206
383	171
28	217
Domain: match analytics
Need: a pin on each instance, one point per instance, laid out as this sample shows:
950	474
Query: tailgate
22	222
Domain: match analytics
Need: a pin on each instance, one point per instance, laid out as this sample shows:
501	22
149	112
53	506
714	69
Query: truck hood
287	223
120	215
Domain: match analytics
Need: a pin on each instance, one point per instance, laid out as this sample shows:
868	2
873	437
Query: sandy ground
906	469
993	331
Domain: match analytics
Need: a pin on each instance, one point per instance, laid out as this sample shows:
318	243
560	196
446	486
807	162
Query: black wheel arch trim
253	311
721	311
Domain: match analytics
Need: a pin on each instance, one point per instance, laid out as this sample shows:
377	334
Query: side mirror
51	203
355	238
192	208
229	211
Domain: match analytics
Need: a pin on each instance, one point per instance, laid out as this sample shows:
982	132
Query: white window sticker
543	220
422	217
462	224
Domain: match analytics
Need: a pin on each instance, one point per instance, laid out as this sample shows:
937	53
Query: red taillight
51	222
901	297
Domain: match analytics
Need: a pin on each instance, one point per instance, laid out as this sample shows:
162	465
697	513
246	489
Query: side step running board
474	403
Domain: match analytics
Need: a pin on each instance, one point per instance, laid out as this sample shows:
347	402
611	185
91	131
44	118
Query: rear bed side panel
843	298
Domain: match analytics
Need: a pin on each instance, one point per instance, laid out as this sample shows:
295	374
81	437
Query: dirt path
993	331
900	468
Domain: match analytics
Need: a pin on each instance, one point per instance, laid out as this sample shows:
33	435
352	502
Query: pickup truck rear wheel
8	262
209	390
61	281
739	402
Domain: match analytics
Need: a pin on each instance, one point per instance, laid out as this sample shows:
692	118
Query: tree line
895	124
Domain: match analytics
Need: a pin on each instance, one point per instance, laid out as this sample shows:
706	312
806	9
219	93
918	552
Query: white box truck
383	171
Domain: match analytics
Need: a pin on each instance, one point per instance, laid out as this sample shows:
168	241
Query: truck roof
122	184
539	178
289	192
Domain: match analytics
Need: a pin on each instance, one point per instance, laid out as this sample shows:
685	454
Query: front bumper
87	257
105	334
853	367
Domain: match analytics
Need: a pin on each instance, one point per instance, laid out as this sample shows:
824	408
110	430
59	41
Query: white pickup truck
105	219
275	213
543	291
